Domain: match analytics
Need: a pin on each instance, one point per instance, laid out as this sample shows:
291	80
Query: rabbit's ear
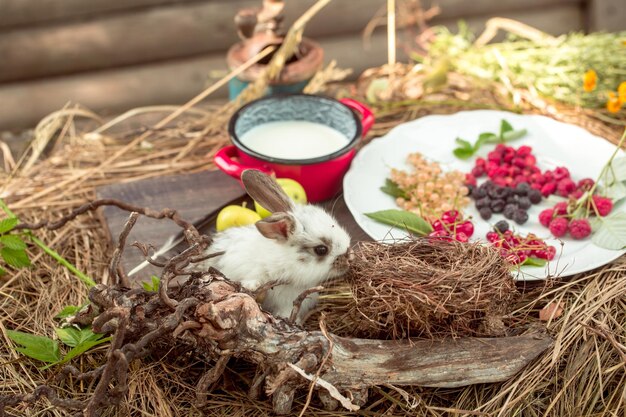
278	226
265	191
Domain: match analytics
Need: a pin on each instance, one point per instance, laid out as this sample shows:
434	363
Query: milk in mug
293	139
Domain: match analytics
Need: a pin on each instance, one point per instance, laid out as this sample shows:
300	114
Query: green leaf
505	127
15	258
486	137
393	189
73	337
618	168
513	134
616	192
402	219
531	261
68	311
80	349
6	225
464	144
612	232
40	348
463	153
13	242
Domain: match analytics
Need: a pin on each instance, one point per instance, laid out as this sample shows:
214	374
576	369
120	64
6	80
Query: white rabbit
301	245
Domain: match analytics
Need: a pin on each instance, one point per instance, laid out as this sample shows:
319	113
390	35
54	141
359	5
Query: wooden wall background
112	55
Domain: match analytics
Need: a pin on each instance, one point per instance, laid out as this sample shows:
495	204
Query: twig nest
423	287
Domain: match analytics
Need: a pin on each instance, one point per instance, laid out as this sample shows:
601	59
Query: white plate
554	144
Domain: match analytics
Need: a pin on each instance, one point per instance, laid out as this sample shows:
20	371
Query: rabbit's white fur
253	260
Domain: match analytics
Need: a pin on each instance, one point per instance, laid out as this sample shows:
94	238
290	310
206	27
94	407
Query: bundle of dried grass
422	287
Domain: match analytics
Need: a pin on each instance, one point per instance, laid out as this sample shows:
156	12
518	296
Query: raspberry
548	188
561	173
565	187
585	184
545	217
524	150
560	208
470	180
576	194
579	228
480	162
558	226
478	171
530	160
603	205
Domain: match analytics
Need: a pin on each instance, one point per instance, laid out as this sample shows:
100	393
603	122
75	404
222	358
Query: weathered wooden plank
22	12
607	15
173	82
183	30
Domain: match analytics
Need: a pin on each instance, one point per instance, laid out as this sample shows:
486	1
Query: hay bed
584	373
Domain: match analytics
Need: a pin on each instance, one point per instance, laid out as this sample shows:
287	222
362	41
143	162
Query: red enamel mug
321	176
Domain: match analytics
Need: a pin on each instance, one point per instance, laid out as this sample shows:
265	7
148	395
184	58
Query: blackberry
510	210
497	205
478	193
522	189
500	193
534	196
502	226
512	199
483	202
485	213
524	203
521	216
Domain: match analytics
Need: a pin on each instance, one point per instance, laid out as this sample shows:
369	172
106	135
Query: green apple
292	188
234	216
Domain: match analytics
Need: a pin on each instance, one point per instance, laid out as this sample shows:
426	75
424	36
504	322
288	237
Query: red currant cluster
516	249
559	219
451	225
508	167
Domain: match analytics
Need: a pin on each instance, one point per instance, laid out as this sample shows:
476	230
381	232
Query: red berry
461	237
558	226
470	180
467	228
545	217
585	184
440	234
450	217
493	157
480	162
561	173
603	205
508	157
548	188
576	194
579	228
560	208
519	162
438	226
524	150
493	237
478	171
565	187
537	178
551	252
530	160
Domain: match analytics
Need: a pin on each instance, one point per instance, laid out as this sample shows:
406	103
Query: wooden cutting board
194	196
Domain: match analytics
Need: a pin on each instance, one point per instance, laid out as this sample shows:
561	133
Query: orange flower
613	104
621	92
589	80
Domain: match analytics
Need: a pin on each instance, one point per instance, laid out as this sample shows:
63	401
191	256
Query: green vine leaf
71	336
13	242
14	257
403	220
6	225
40	348
612	232
532	261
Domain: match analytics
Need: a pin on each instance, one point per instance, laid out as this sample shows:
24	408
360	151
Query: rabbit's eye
320	250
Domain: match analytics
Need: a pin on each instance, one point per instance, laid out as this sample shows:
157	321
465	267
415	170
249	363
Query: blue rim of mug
285	96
